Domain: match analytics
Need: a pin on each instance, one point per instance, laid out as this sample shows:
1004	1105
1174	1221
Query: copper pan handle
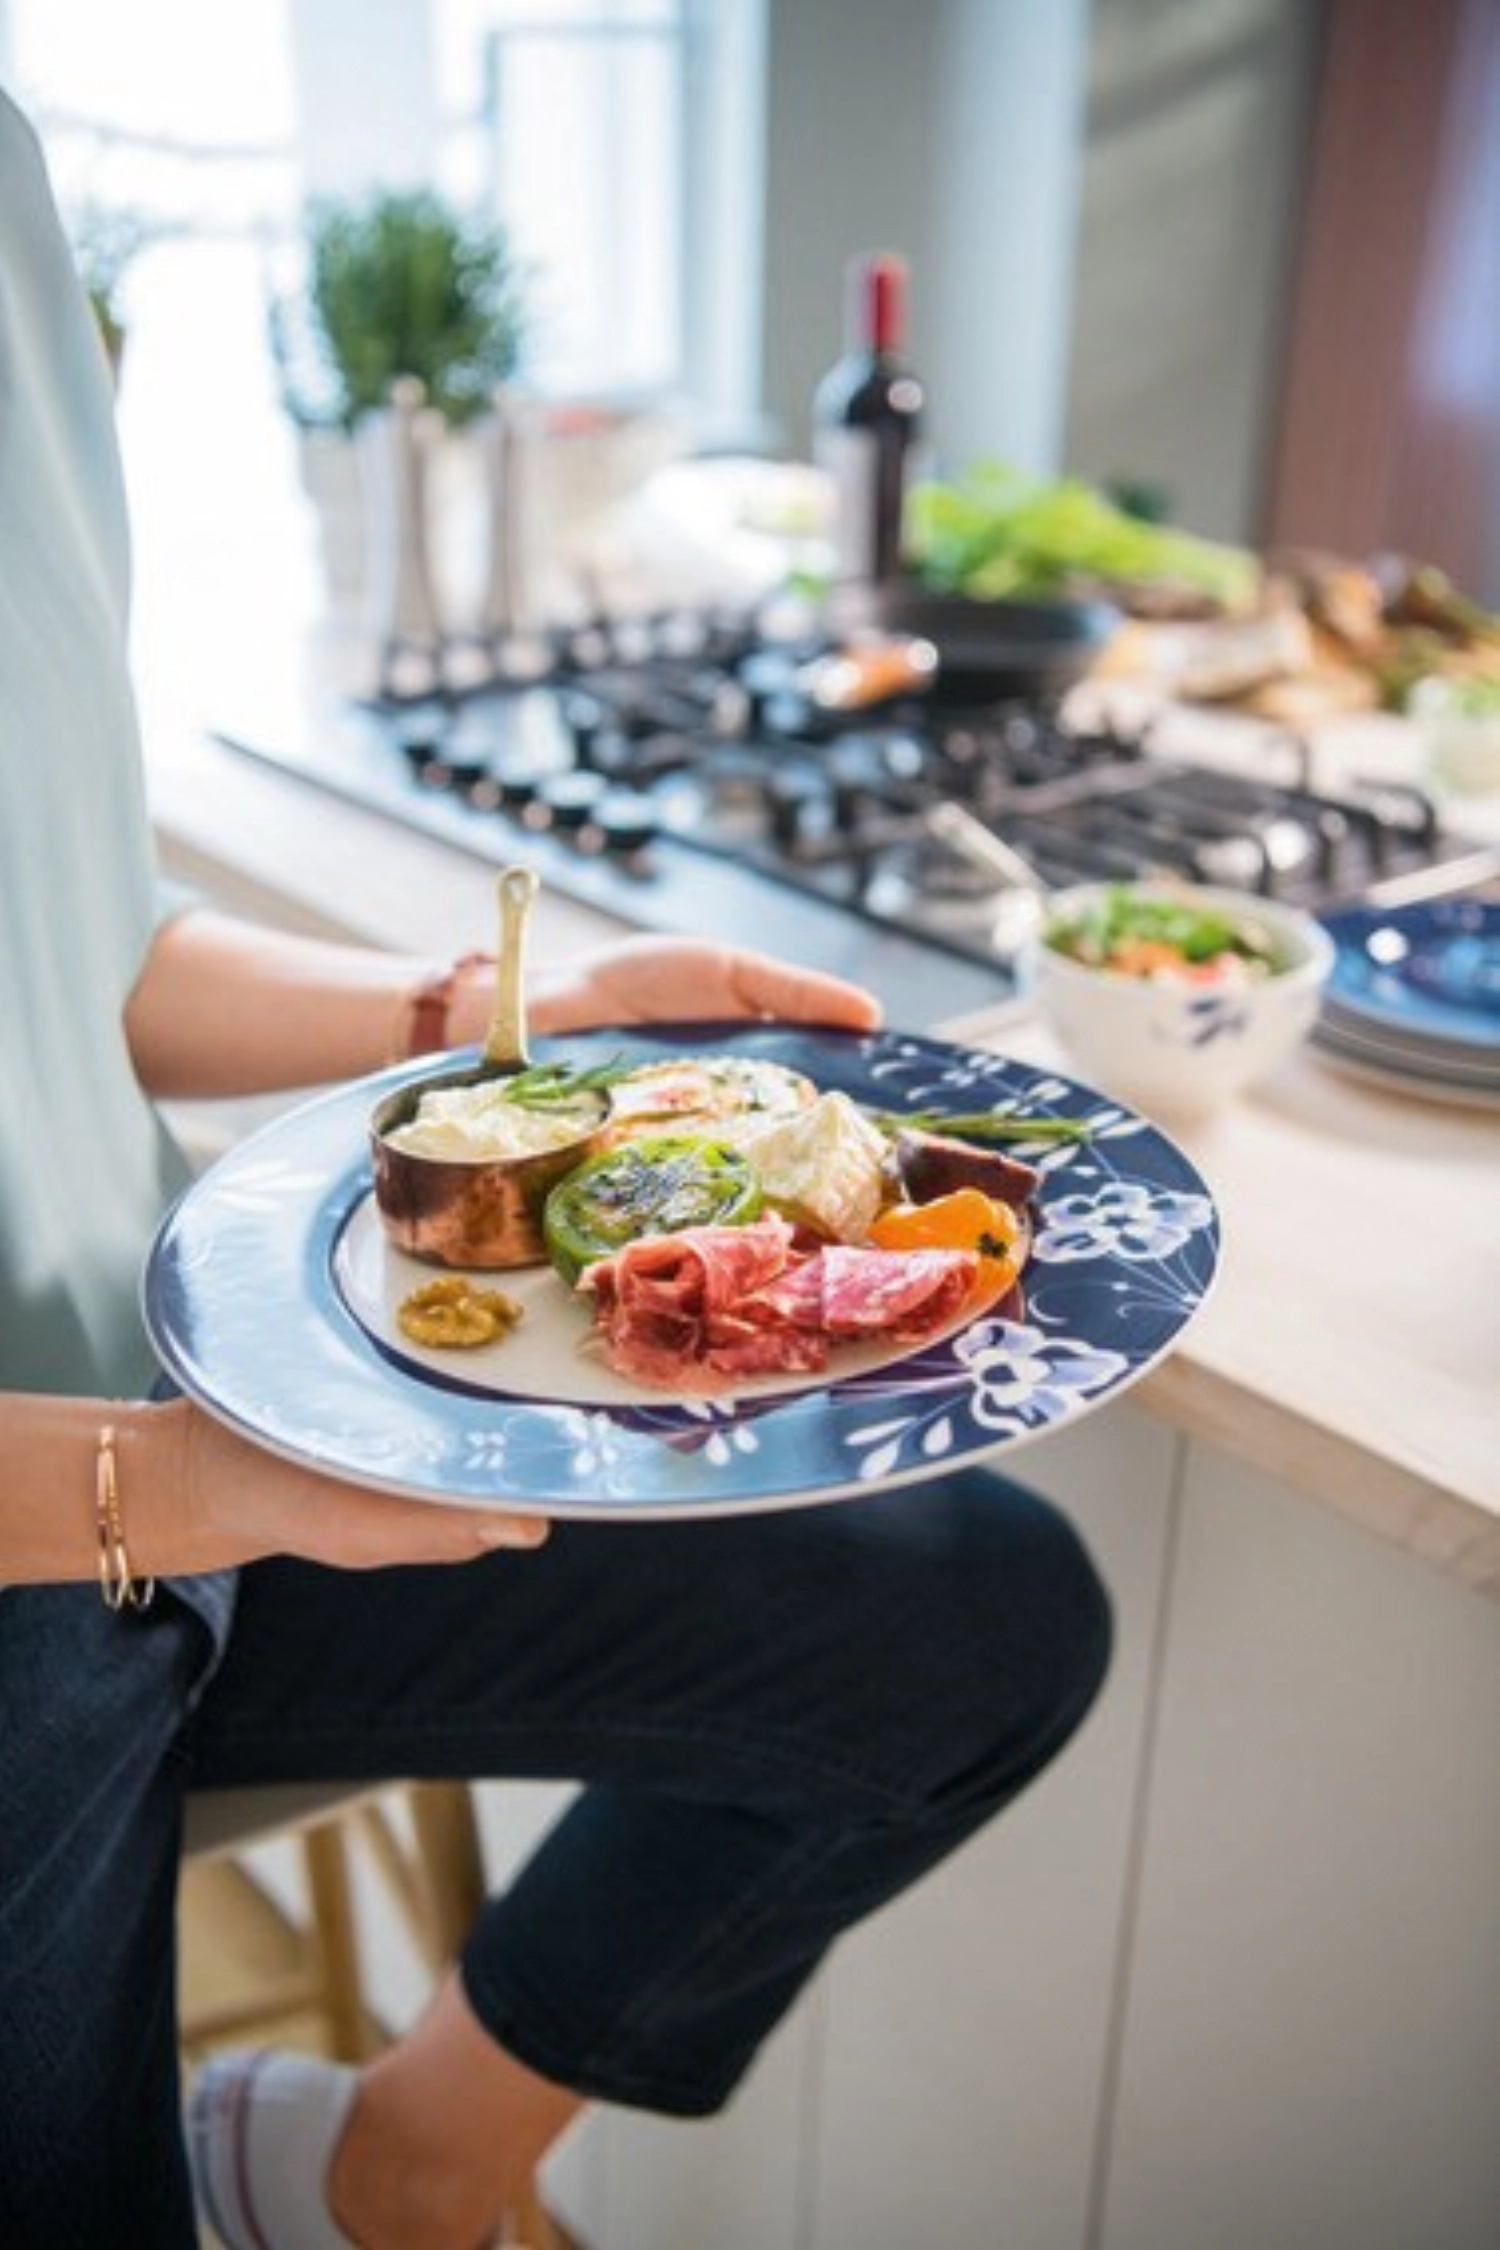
505	1042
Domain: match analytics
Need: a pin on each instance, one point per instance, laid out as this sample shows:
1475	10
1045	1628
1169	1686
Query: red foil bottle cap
880	303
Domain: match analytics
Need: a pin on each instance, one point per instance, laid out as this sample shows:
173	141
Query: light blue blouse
85	1167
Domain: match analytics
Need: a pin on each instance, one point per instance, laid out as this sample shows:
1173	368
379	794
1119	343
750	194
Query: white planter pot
336	482
334	485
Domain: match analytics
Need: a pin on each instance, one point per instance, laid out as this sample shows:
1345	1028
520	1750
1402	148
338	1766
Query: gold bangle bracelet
118	1584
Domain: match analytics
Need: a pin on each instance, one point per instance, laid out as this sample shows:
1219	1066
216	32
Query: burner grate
674	772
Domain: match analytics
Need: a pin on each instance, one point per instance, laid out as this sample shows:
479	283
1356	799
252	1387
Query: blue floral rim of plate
242	1305
1431	971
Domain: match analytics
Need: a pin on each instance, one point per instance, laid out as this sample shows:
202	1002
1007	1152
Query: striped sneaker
261	2131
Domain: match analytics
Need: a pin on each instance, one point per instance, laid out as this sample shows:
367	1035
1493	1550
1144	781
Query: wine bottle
866	418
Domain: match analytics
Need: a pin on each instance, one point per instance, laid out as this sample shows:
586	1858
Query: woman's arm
193	1497
223	1007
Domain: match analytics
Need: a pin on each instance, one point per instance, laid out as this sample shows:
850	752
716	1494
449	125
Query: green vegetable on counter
1000	534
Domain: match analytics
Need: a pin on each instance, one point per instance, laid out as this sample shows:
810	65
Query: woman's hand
235	1503
194	1497
663	980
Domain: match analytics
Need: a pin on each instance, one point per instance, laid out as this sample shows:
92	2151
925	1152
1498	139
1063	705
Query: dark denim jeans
782	1721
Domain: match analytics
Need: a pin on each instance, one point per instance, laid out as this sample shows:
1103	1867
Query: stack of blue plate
1414	999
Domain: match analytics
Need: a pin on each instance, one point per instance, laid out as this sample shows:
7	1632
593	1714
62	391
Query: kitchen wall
952	134
1198	113
849	103
1097	201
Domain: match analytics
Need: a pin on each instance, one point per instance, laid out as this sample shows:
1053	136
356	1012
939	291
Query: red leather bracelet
423	1023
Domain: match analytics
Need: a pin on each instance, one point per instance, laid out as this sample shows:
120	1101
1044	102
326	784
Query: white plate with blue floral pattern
268	1295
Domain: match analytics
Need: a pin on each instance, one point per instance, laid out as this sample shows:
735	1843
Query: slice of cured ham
694	1311
903	1294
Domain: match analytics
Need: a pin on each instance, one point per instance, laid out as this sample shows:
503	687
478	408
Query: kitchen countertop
1351	1346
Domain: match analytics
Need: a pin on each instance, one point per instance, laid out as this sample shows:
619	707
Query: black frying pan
987	651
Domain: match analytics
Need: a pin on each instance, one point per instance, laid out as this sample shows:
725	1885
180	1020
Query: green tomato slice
658	1184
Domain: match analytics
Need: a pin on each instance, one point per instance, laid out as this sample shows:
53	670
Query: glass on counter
1459	722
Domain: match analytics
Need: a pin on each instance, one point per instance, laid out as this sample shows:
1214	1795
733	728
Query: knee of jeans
1040	1641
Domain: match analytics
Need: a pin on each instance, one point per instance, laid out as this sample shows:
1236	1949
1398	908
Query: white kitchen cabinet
942	2079
1228	1978
1311	2058
969	2028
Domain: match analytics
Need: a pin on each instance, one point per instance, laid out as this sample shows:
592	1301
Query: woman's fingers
371	1531
763	985
237	1502
646	979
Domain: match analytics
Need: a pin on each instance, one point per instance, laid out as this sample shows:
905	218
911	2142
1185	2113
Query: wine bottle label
863	536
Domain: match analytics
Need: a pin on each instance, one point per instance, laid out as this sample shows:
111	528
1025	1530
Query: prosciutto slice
693	1311
902	1294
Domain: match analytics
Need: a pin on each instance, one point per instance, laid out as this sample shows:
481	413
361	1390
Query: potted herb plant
397	283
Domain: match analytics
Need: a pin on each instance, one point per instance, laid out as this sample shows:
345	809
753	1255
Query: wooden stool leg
438	1885
326	1859
447	1834
452	1872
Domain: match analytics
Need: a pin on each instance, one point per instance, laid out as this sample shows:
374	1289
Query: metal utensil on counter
481	1211
1021	895
395	452
508	623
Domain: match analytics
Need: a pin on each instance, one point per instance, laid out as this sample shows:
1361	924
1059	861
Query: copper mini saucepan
478	1211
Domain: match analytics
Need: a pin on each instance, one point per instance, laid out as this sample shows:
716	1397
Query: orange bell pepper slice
966	1219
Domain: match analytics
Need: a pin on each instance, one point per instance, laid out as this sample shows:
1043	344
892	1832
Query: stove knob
851	805
791	801
682	633
465	775
421	747
854	778
515	785
567	800
633	639
585	717
454	772
586	648
730	710
625	821
770	701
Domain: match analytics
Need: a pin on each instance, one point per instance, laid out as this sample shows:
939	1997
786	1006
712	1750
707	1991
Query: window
620	142
616	139
577	143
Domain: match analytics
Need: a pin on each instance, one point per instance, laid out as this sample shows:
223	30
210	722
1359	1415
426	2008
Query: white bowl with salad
1174	996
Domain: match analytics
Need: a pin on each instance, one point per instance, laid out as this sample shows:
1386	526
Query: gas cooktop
690	774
